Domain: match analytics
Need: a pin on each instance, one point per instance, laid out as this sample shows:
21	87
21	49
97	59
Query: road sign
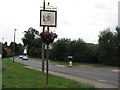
48	18
70	56
50	46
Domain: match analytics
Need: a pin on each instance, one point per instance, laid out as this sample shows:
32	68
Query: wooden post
47	64
43	45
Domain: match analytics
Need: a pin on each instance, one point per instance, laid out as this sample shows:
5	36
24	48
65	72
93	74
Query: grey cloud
100	6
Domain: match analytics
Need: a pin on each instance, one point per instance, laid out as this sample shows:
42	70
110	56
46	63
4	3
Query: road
100	74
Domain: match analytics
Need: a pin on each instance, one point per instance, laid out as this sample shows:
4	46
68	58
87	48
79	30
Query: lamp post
2	48
14	45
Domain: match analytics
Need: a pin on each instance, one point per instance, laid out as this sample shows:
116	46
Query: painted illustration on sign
48	18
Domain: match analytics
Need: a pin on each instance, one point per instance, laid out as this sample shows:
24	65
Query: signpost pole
47	67
47	19
43	45
47	58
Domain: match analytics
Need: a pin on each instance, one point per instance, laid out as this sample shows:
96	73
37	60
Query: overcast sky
75	18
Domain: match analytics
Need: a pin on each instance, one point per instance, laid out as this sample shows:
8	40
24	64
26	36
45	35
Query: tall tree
20	49
107	47
16	47
29	37
32	41
65	47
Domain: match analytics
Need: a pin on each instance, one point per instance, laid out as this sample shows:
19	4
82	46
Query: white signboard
50	46
70	56
48	18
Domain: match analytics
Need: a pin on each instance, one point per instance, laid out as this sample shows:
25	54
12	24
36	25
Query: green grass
0	73
16	75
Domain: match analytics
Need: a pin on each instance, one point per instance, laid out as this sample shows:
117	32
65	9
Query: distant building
6	52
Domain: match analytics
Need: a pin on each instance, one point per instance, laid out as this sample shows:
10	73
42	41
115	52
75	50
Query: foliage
107	51
18	48
29	37
48	37
81	51
109	47
4	53
7	51
33	42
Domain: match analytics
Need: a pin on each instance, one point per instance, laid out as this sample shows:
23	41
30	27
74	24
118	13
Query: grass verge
15	75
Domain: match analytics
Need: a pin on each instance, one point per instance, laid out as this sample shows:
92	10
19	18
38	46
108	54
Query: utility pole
14	45
43	45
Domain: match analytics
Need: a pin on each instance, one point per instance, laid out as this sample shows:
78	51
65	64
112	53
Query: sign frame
48	18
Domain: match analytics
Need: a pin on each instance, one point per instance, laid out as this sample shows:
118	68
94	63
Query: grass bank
15	75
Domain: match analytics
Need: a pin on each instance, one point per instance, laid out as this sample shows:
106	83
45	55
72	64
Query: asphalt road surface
100	74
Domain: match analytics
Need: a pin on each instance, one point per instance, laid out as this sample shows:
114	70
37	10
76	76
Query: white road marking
61	65
116	70
102	80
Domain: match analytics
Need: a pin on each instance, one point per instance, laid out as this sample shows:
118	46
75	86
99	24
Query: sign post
70	60
47	58
48	18
43	44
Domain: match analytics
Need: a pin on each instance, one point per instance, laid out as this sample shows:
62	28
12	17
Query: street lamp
2	48
14	45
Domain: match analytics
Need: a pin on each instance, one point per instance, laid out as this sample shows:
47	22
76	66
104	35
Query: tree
32	41
4	52
29	37
20	49
65	47
117	38
108	53
117	45
77	50
92	53
16	47
59	49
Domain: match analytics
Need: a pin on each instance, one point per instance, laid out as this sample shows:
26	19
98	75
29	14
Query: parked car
25	57
20	56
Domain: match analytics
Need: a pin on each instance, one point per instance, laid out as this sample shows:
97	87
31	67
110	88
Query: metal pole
47	65
43	57
2	48
14	46
43	45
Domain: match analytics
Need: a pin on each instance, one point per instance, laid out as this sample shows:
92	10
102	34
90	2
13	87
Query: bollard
70	63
